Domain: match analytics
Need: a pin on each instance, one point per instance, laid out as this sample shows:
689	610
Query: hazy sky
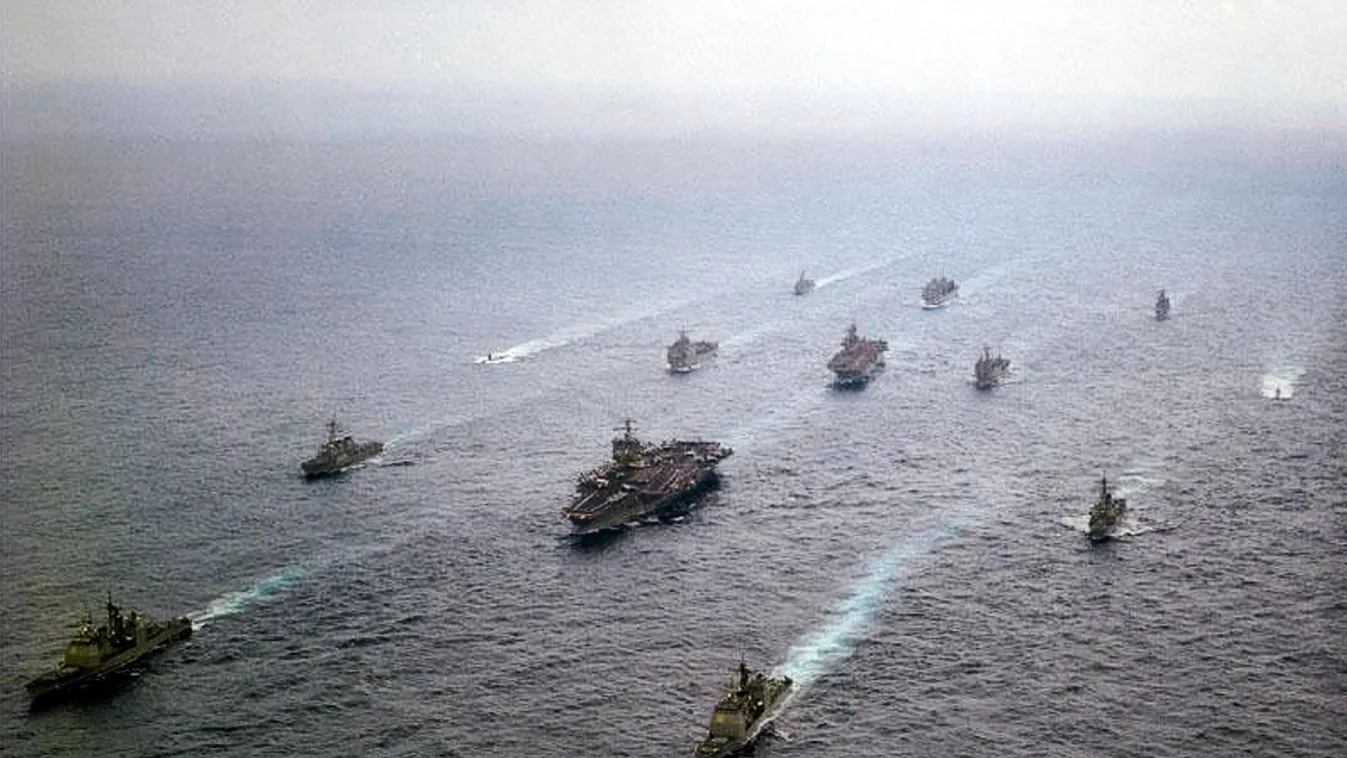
1276	60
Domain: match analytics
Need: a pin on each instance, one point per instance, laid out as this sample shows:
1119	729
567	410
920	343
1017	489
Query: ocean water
180	319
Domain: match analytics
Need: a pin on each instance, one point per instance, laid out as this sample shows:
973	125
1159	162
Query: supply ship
859	360
99	654
990	370
642	480
938	293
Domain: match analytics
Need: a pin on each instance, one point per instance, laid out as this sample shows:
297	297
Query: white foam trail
235	602
846	274
823	650
1279	383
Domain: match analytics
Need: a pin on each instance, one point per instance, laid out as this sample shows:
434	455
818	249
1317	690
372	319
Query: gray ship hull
635	508
58	685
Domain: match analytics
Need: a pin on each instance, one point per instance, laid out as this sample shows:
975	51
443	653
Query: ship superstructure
1161	306
642	480
859	360
803	285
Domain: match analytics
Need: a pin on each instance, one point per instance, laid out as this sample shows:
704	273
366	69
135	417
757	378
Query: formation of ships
642	480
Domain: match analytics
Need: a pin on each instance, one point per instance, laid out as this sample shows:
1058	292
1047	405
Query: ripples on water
909	552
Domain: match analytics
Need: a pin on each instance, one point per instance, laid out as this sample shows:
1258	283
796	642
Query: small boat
803	286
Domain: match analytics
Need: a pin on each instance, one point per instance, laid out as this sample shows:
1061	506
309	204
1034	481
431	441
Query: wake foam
236	602
842	276
1280	383
825	649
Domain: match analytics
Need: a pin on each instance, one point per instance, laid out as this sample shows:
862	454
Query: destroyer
642	480
743	712
339	453
990	369
1162	306
98	655
684	355
803	286
1106	513
938	292
859	360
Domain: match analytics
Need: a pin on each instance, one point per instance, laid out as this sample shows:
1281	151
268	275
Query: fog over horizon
546	68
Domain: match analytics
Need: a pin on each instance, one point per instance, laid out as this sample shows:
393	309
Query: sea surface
180	320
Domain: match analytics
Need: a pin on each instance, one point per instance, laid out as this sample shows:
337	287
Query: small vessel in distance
803	286
990	370
643	479
98	654
859	360
1162	306
1107	512
743	712
684	355
339	453
938	292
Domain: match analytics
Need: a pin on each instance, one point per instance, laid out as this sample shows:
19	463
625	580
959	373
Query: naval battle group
642	481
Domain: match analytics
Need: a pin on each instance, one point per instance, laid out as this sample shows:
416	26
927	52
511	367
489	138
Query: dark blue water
179	320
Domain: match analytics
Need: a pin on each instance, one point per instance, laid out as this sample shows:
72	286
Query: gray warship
684	355
643	479
803	286
990	369
339	453
743	712
1161	306
100	654
938	292
859	360
1107	512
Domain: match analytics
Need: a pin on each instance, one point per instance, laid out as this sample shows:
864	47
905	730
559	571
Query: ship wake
231	603
825	649
1279	383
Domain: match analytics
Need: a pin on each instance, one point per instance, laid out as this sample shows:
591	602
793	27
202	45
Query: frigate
339	453
1106	514
1162	306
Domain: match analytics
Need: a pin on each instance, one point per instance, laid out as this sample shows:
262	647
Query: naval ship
859	360
684	355
743	712
938	292
1106	513
990	369
99	654
339	453
1162	306
643	479
803	286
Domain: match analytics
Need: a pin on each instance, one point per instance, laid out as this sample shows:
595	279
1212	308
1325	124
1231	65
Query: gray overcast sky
1269	58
